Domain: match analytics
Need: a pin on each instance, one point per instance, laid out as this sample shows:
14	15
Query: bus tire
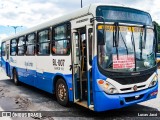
15	77
62	92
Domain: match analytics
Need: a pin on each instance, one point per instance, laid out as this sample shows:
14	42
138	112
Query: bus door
3	56
81	68
76	65
7	61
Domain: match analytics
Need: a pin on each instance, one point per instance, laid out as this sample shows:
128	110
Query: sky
27	13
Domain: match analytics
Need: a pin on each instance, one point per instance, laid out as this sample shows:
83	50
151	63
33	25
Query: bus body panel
105	102
5	58
34	71
3	63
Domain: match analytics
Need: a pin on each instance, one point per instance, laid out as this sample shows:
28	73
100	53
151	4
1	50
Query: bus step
91	96
84	104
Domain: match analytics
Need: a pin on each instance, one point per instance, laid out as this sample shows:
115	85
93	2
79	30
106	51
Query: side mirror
101	33
100	37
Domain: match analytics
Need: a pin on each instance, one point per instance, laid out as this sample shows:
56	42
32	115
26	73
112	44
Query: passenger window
21	46
43	42
13	47
3	49
31	44
61	47
61	40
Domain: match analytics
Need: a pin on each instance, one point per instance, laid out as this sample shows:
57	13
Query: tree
158	30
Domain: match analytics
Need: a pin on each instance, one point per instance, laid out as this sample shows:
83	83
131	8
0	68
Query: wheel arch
68	81
56	78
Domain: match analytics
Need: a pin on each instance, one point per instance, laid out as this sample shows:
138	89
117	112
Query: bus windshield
124	15
134	52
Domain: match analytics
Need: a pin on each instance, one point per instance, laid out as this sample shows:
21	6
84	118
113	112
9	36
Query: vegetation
158	30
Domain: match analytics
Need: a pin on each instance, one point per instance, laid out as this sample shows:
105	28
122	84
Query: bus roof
91	9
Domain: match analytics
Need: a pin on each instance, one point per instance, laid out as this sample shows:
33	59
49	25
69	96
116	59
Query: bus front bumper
103	101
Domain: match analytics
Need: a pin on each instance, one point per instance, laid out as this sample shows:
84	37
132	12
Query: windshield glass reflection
135	51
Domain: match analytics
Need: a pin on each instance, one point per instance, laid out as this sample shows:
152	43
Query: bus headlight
107	87
154	81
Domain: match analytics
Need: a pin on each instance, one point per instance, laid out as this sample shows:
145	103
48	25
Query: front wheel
62	92
15	78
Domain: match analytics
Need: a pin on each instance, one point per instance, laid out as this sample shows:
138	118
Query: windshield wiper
133	43
142	42
116	38
141	45
145	35
124	43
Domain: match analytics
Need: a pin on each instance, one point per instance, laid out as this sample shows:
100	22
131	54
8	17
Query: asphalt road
26	98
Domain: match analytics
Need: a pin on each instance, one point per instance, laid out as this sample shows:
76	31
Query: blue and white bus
101	57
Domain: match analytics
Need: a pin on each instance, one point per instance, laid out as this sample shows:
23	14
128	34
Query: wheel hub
62	92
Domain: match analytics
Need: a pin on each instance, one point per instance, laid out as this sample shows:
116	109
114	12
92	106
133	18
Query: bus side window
61	40
13	51
30	44
61	47
3	52
21	45
43	42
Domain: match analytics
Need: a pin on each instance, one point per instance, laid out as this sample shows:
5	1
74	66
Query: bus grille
132	80
130	99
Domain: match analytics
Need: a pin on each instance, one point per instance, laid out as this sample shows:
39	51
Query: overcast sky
28	13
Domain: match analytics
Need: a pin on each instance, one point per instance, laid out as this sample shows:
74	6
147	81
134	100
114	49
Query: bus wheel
15	77
62	92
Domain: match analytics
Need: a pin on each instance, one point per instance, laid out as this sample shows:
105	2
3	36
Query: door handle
70	67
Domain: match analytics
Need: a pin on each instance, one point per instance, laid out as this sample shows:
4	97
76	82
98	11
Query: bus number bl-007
60	62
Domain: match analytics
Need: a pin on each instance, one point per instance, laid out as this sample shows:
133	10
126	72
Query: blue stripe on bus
3	64
97	75
103	101
43	81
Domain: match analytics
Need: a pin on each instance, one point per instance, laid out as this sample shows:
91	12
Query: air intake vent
130	99
132	80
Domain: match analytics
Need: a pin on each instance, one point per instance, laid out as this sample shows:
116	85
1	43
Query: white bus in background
101	57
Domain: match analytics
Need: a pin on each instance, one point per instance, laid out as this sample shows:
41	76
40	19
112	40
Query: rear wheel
62	92
15	78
